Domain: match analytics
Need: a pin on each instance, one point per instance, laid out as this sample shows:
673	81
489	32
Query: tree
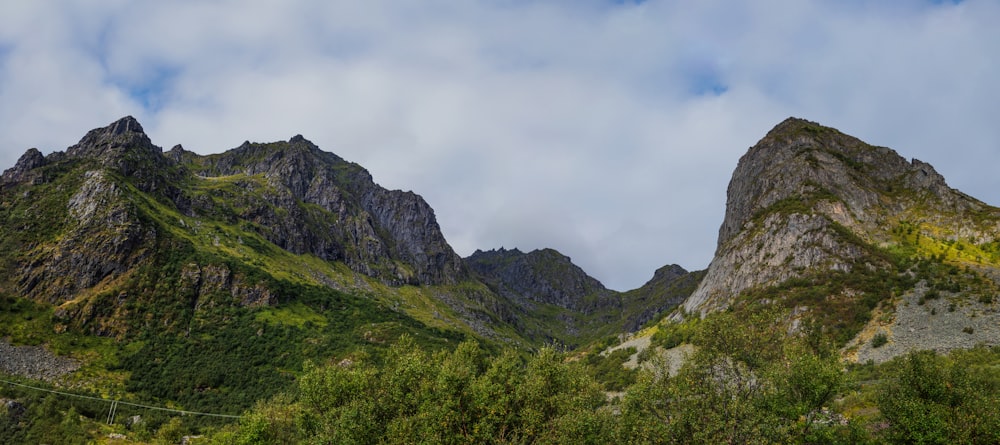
456	397
931	399
748	381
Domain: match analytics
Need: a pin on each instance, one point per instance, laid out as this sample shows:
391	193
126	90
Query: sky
607	130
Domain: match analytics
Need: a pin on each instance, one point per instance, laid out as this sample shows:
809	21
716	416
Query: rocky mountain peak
110	141
800	159
127	124
794	192
669	272
542	276
29	161
374	229
125	147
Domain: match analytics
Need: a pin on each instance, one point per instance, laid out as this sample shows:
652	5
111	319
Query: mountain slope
115	233
832	227
557	297
160	272
112	211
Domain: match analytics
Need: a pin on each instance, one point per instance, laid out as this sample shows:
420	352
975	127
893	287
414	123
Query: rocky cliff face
812	204
315	202
86	228
71	223
550	298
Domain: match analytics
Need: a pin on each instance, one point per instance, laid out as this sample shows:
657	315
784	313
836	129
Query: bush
935	399
880	340
463	396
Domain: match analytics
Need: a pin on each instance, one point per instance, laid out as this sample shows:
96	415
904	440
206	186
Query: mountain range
115	225
156	272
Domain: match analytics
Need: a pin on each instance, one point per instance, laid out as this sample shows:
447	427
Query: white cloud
573	125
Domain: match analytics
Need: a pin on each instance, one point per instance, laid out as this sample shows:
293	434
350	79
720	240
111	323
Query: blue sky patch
153	90
708	86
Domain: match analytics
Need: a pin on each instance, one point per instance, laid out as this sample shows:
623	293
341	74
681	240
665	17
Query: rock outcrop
809	198
542	276
34	362
388	234
22	170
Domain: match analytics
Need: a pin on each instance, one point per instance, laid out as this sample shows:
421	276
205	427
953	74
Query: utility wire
115	402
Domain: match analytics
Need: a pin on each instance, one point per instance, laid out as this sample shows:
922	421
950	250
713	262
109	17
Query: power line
114	402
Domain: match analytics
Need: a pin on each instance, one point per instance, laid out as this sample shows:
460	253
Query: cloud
607	130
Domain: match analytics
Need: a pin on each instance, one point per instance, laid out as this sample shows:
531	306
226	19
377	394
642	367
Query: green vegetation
747	382
609	370
880	340
841	302
926	398
669	335
463	396
39	417
213	315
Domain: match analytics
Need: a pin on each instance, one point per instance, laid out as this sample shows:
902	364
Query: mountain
157	273
840	231
567	304
148	276
120	237
110	212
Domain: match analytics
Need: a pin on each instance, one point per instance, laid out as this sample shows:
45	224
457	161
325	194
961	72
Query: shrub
879	340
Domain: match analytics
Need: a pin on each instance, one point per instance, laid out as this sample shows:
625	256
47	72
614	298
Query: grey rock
794	192
542	276
942	325
22	171
372	230
34	362
103	239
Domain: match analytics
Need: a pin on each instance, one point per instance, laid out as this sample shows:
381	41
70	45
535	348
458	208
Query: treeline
748	381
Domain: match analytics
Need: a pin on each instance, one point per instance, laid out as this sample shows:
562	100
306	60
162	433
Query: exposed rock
133	421
22	170
795	193
13	408
391	235
941	324
34	362
542	276
125	148
104	240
